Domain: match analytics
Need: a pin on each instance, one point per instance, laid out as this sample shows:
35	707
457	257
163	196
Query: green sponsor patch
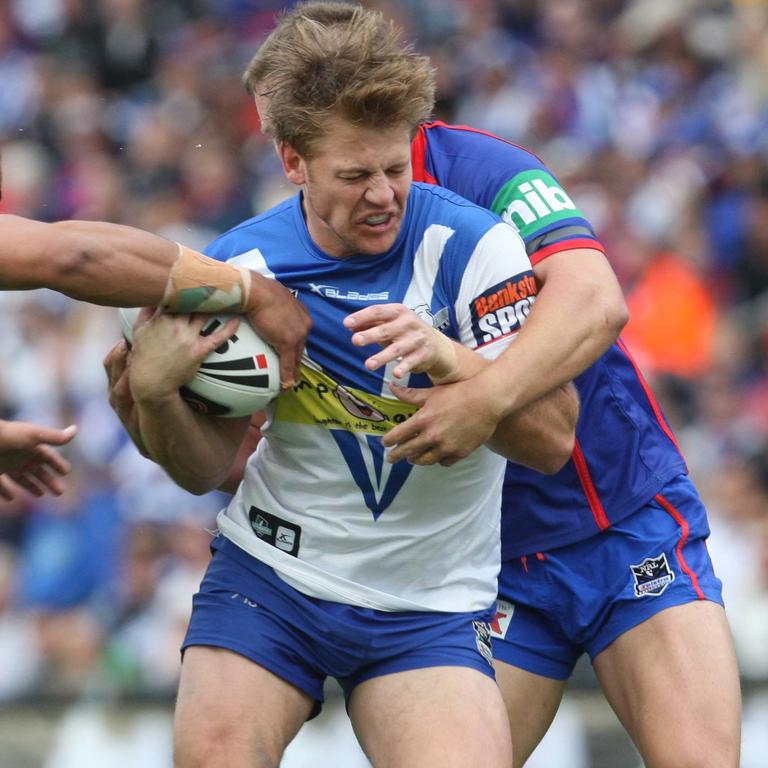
533	200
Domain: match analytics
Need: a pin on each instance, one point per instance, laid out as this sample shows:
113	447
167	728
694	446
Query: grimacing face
355	187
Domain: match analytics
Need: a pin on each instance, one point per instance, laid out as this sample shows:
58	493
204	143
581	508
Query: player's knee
222	745
711	750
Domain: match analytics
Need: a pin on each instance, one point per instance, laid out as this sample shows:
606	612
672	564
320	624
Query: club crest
652	576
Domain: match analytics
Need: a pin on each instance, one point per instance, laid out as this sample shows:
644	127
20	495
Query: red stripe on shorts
681	521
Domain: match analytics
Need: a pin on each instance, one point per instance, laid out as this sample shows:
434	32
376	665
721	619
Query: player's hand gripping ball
238	378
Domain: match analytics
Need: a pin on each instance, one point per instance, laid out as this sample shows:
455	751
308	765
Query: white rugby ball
238	378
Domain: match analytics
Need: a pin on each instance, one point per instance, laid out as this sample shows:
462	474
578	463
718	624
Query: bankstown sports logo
331	292
502	309
652	576
534	199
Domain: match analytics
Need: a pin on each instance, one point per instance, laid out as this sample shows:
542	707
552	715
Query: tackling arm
122	266
579	312
540	436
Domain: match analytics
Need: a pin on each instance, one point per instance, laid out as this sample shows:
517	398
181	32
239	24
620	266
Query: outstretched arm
121	266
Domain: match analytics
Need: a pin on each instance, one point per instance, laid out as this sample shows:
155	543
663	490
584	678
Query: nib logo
532	199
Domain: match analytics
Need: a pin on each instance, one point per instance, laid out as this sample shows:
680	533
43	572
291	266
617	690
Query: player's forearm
117	265
578	314
453	361
196	451
542	435
94	261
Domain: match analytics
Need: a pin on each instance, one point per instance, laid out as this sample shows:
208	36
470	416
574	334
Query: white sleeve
497	292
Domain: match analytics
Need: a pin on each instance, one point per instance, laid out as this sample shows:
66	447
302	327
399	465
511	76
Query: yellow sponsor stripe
323	402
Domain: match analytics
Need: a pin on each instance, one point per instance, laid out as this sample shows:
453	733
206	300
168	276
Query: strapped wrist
197	283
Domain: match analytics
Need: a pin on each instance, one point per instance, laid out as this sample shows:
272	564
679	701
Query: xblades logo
331	292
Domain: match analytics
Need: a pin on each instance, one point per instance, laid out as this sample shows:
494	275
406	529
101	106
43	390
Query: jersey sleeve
507	179
496	292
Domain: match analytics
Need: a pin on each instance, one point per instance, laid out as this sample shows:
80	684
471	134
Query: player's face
355	187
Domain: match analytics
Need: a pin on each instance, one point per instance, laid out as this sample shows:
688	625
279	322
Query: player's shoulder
443	204
270	221
464	140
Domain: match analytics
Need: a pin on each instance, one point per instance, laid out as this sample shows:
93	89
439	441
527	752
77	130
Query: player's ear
293	163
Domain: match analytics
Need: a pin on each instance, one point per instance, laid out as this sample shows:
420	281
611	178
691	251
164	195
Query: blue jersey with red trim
625	451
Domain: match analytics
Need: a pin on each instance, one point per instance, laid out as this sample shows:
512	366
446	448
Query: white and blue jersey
319	503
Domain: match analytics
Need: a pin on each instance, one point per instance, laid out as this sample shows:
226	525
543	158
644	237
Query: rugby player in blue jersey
330	560
608	556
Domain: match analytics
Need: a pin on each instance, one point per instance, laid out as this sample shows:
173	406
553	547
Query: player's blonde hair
330	59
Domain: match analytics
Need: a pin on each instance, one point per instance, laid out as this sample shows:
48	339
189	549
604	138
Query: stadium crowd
654	116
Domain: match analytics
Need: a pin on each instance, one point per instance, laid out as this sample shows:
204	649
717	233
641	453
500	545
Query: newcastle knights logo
652	576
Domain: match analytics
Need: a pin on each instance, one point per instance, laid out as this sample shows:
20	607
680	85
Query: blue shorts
244	606
553	606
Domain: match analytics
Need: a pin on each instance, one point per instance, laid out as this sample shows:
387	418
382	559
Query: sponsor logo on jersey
358	407
532	201
331	292
285	538
501	620
319	400
260	526
652	576
483	640
356	420
502	308
273	530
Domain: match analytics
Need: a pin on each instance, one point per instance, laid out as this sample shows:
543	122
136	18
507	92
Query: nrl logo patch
652	576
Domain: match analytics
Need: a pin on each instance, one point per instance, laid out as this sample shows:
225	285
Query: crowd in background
653	115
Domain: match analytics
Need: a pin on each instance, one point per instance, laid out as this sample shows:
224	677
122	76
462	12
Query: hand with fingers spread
28	460
406	339
167	351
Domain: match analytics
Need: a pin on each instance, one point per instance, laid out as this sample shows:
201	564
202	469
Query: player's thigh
531	702
232	712
435	717
674	684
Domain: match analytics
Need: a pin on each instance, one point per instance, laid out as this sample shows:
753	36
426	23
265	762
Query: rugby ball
238	378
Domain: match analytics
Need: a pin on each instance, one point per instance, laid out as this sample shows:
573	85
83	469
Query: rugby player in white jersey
332	561
648	649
